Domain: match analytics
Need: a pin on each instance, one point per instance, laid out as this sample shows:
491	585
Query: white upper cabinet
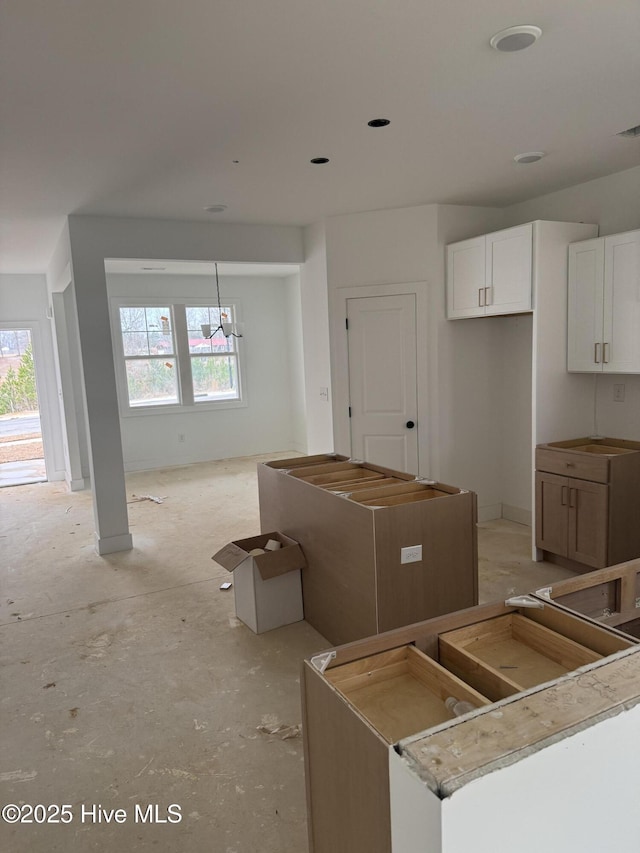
490	274
466	278
508	266
604	305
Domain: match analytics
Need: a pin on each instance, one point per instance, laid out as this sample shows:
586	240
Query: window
214	362
164	363
149	356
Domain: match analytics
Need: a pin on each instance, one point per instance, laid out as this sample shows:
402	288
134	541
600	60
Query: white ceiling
140	107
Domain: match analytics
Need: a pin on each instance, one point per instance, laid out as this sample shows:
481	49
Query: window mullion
182	355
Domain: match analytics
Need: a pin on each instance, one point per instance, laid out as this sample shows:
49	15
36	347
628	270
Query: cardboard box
267	587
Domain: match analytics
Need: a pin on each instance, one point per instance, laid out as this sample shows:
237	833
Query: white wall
295	360
91	240
612	202
577	795
316	342
457	361
271	377
466	357
24	304
514	425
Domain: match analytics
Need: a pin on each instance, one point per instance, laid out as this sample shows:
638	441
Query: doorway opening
21	449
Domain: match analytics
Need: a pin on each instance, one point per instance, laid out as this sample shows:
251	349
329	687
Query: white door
621	337
465	278
586	272
382	380
508	273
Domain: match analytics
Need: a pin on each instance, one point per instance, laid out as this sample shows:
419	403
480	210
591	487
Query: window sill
178	409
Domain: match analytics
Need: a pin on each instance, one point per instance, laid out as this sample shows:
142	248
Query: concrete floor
127	680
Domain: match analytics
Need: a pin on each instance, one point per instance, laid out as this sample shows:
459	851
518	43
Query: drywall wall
565	797
91	240
613	203
316	341
514	424
273	390
415	812
24	304
466	364
295	361
379	253
456	361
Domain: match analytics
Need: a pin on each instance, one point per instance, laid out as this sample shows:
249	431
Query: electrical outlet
181	437
618	393
412	554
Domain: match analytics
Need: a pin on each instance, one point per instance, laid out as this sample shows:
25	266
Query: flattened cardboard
271	564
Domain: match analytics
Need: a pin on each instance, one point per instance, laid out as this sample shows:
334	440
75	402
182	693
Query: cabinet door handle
573	496
487	296
596	353
605	352
480	297
563	499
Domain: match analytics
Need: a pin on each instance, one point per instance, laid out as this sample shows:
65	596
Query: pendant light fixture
227	328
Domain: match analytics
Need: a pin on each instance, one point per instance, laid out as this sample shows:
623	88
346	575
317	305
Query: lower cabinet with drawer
466	732
588	502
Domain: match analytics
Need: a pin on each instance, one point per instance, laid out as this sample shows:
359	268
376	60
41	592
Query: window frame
186	401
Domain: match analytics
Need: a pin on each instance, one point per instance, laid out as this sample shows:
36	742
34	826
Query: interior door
383	380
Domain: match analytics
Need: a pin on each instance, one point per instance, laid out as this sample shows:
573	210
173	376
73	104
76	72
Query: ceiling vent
630	132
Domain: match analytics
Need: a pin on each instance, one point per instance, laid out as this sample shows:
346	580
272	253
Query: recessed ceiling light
216	208
378	122
515	38
529	157
319	160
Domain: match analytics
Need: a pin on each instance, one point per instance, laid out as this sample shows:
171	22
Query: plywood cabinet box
390	767
588	501
352	519
610	596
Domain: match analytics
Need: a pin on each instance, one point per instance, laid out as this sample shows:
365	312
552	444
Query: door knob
410	424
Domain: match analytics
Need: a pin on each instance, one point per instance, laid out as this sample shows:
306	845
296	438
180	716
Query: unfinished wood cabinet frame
610	596
346	775
354	584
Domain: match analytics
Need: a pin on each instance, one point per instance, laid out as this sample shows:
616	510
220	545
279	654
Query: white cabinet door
508	270
586	275
621	328
465	278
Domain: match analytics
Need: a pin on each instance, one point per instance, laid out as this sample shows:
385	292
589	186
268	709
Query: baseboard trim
517	514
489	512
112	544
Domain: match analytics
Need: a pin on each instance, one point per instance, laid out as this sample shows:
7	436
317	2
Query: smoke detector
515	38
